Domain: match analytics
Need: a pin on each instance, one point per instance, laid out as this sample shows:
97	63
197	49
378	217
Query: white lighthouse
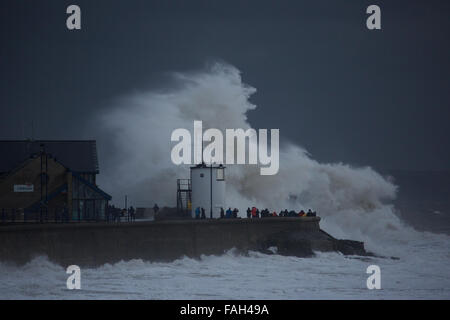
208	189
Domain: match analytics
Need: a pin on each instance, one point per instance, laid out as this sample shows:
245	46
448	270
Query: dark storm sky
345	93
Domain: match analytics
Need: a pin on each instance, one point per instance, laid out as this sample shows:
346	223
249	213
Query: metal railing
57	215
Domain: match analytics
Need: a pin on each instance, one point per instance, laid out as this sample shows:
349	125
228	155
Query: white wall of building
201	189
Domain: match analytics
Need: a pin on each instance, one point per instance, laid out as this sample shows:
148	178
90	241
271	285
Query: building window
220	174
75	210
87	203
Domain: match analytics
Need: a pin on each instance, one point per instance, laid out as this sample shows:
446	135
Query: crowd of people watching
115	214
255	213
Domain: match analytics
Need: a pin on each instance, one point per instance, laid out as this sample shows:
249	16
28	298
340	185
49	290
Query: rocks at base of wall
304	244
351	247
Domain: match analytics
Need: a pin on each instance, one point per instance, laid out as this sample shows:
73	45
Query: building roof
208	166
76	155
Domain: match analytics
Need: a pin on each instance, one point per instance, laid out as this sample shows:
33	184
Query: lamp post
210	176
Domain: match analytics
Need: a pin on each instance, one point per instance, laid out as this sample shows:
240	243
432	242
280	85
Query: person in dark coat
132	213
155	209
249	213
203	213
222	213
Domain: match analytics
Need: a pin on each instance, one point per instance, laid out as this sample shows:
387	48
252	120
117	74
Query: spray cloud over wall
350	200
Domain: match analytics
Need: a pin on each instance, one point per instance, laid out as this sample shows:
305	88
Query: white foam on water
232	276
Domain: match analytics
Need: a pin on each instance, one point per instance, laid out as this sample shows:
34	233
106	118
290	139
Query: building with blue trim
51	178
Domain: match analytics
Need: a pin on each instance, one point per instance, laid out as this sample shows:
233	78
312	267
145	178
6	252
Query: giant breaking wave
351	201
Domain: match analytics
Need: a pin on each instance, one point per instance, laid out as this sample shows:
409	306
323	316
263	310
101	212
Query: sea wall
92	244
